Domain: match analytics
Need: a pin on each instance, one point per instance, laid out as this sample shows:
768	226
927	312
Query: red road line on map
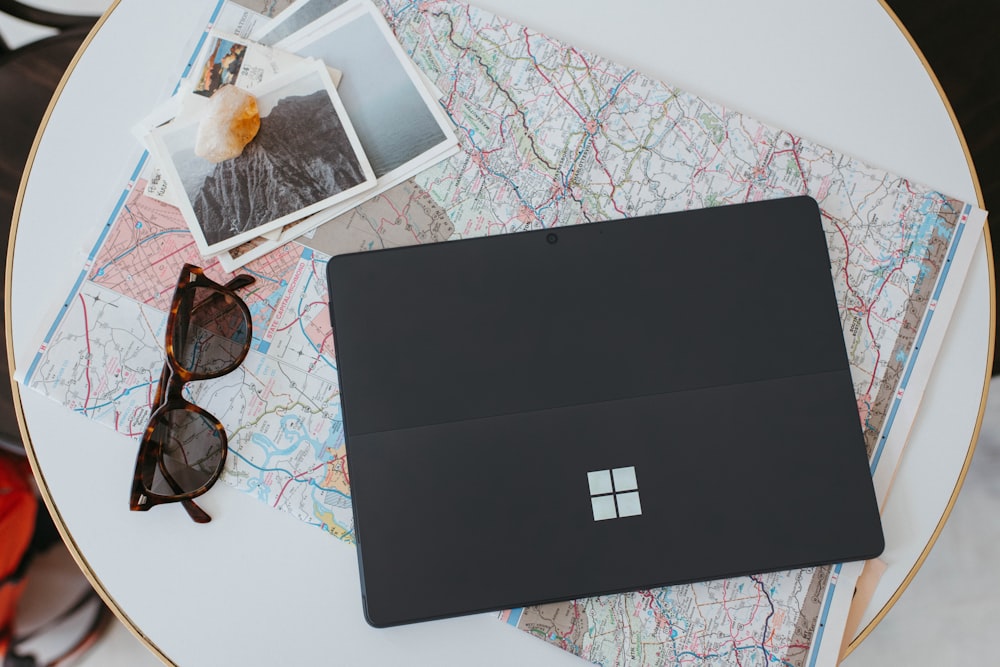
292	479
130	432
795	154
317	273
527	44
299	317
169	255
597	154
868	323
847	258
86	335
282	305
725	607
878	351
290	324
405	212
703	167
454	89
161	260
734	637
344	468
614	188
580	56
887	278
322	344
465	50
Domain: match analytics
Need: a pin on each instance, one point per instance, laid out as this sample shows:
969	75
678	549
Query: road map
758	620
550	136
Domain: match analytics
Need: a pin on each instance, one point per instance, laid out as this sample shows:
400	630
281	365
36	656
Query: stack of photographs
344	116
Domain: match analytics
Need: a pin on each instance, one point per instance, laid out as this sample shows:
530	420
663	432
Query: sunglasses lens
191	453
211	331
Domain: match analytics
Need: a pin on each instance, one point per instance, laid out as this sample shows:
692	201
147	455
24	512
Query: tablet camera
552	238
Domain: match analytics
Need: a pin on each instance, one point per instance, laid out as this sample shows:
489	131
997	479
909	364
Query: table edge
867	630
22	424
95	581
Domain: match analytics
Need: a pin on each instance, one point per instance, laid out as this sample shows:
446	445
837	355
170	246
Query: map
550	136
555	136
403	215
280	408
757	620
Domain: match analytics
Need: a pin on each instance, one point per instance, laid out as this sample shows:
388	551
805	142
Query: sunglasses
183	450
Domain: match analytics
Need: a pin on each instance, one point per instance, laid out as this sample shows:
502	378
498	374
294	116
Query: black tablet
564	413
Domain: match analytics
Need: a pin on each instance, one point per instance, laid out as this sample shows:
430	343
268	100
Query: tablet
564	413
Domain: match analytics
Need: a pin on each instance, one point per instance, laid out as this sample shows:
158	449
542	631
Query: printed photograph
396	118
305	156
383	86
300	15
231	59
221	67
268	8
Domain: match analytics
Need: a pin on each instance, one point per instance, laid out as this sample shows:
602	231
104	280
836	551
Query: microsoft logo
614	493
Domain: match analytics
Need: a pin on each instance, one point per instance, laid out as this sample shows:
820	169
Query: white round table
256	586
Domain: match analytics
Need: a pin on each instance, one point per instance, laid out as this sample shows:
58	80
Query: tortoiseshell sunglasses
182	452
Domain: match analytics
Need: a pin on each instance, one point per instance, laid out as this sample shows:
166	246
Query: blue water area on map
931	209
270	446
294	438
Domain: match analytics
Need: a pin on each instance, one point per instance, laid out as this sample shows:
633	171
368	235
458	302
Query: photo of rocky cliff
301	158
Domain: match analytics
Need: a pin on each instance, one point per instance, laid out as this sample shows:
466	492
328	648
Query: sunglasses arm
198	514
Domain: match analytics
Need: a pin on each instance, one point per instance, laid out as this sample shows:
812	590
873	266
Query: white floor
946	617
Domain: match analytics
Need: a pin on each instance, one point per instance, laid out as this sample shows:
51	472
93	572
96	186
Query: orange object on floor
18	510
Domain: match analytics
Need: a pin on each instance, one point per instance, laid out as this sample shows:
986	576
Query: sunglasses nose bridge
175	383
